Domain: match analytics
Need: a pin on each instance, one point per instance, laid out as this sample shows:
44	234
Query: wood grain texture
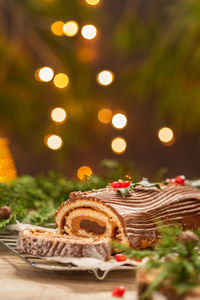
18	281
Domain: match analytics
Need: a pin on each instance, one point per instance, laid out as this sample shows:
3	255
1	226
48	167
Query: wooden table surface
20	281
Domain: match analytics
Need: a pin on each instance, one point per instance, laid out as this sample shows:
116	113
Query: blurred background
87	80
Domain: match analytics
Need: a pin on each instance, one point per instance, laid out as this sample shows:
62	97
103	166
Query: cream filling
73	223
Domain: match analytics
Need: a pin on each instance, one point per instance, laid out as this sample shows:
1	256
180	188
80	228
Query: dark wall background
153	48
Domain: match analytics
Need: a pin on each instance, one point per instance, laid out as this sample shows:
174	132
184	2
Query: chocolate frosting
45	243
143	208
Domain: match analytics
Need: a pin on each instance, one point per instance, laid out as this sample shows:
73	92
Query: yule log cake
40	242
131	219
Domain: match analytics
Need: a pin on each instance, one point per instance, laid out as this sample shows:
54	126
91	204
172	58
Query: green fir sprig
175	258
35	199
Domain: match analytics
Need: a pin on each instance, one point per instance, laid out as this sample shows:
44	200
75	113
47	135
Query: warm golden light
58	115
45	74
105	115
119	121
54	142
57	28
93	2
83	172
166	135
37	75
89	32
118	145
105	77
70	28
61	80
8	171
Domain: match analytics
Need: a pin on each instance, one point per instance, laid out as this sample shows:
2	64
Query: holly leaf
166	182
145	182
157	185
124	191
194	183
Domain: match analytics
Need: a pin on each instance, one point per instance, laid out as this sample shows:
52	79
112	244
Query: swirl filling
87	218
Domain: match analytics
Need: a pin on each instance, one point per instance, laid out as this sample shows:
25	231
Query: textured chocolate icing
39	242
143	208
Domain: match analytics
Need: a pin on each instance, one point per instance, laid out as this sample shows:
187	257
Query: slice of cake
133	220
47	243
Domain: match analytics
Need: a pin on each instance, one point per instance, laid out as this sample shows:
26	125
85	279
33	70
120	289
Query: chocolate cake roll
47	243
131	220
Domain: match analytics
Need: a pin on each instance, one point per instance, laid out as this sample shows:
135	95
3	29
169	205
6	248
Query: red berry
116	184
120	184
120	257
180	179
126	184
118	291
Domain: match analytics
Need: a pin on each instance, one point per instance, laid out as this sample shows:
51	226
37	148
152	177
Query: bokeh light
54	142
61	80
45	74
119	121
58	115
70	28
105	77
84	171
118	145
37	74
166	135
89	32
105	115
57	28
93	2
